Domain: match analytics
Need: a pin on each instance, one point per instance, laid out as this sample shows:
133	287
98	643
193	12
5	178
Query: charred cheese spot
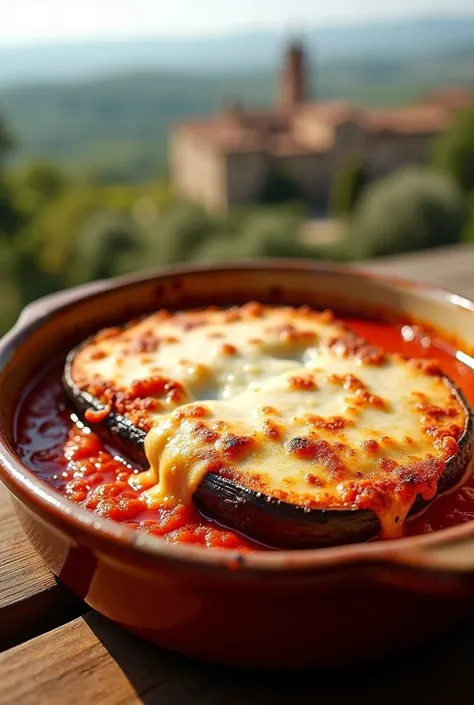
363	396
228	349
233	446
351	345
371	446
302	382
271	429
97	354
253	310
204	433
193	411
285	401
314	480
331	424
268	411
301	447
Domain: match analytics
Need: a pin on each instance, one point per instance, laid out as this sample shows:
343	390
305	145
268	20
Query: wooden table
54	650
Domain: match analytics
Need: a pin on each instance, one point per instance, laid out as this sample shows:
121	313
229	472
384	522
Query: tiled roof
286	145
450	97
271	130
419	119
332	112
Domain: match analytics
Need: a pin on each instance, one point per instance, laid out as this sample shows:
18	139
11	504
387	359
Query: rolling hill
252	51
117	126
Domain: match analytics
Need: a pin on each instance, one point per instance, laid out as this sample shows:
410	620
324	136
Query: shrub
106	246
260	234
219	249
453	151
347	187
411	209
7	141
180	230
40	183
280	187
468	232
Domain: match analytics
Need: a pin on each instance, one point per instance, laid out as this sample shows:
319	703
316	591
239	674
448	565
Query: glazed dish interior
258	427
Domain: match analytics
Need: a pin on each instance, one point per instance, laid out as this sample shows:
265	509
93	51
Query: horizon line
251	30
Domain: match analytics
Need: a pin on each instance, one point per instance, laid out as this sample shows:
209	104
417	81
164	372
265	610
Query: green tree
106	246
20	276
347	187
180	230
272	233
55	232
261	233
39	183
453	151
280	187
412	209
218	249
7	141
56	229
11	219
468	232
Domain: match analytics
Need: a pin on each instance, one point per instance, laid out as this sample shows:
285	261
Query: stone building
226	160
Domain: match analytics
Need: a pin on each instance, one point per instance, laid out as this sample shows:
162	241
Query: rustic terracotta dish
310	608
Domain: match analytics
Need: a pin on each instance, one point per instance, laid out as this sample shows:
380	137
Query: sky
45	21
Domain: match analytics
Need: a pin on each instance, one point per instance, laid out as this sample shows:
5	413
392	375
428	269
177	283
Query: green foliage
180	229
106	245
270	233
280	187
11	216
454	151
56	228
412	209
218	249
55	232
468	232
31	280
6	140
260	233
61	223
347	187
40	183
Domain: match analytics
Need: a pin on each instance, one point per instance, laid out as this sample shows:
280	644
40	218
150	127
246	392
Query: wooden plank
448	267
31	600
91	660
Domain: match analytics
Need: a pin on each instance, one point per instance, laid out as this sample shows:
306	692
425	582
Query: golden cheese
214	354
285	401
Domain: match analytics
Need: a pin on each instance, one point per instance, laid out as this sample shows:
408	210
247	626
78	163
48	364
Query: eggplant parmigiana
285	405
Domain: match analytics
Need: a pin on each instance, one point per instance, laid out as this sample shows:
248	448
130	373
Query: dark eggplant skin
265	519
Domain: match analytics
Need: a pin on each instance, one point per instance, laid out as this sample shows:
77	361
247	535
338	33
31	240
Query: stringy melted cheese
284	401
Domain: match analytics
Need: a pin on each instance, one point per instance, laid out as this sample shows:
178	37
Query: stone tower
293	78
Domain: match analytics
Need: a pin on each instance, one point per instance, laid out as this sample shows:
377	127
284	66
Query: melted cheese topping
284	401
207	355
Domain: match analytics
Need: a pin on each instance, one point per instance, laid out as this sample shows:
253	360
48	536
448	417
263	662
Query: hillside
253	51
117	126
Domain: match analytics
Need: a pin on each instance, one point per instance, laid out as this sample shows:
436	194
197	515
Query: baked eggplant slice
276	422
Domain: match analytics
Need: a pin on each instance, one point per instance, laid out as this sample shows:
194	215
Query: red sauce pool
76	463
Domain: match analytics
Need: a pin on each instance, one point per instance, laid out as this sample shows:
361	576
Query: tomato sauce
78	465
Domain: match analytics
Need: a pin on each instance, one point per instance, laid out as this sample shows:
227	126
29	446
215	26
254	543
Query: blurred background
139	133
